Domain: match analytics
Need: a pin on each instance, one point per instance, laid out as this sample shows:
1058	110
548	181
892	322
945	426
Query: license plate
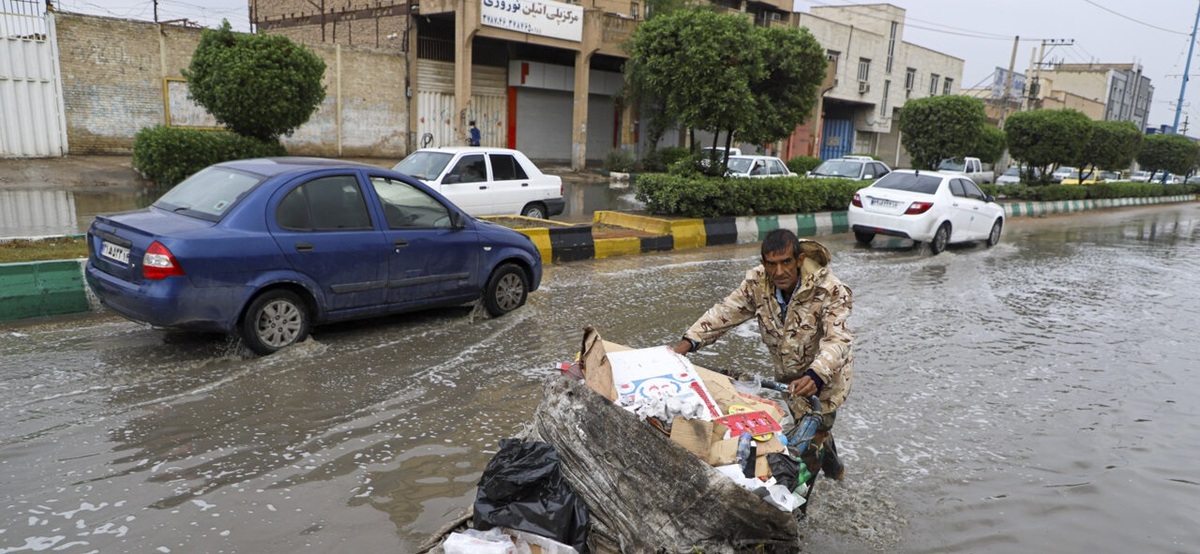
115	252
884	203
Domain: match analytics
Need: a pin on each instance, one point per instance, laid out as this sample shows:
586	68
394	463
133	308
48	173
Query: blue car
267	248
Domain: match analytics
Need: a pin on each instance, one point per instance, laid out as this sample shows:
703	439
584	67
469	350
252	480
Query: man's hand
682	347
803	387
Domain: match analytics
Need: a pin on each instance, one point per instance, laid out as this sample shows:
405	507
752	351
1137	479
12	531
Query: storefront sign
548	19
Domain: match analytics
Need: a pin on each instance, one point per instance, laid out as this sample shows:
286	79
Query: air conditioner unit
864	87
774	17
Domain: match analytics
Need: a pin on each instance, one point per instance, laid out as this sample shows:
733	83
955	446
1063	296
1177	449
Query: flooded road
1036	396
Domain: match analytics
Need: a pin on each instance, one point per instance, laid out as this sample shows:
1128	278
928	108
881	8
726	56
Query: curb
34	289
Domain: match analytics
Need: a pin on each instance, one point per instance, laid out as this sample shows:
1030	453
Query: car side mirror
989	199
457	220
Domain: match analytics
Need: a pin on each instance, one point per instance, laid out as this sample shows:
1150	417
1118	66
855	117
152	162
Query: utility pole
1012	63
1037	68
1186	69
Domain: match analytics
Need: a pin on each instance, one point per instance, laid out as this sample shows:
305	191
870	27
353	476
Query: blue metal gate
837	138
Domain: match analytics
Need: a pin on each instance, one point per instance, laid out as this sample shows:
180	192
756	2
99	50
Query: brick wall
113	72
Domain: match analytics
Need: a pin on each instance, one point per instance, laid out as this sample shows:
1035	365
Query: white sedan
757	167
487	181
926	206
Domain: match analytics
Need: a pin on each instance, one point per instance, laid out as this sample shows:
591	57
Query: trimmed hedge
169	155
693	195
699	196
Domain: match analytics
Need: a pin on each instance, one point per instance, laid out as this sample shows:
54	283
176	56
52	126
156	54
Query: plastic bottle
746	452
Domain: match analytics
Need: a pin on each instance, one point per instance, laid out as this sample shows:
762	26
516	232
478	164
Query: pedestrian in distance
474	138
801	308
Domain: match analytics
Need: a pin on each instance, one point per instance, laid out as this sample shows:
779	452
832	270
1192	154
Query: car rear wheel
535	210
994	236
276	319
506	290
864	237
940	239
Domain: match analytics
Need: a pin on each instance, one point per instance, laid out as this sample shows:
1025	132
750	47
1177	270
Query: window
505	167
633	10
947	86
325	204
883	104
469	169
891	47
864	69
933	83
407	207
833	56
776	167
910	79
208	194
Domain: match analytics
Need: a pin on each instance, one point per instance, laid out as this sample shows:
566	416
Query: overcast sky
1154	33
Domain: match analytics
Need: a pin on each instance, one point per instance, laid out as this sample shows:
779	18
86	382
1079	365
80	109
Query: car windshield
838	168
424	165
1013	172
740	165
209	193
914	182
951	164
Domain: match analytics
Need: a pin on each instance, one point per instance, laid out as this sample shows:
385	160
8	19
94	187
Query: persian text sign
548	19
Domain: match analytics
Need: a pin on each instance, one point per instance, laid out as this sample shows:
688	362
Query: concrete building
1123	92
876	72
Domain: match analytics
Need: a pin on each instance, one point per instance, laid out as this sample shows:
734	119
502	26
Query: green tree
940	127
1174	153
1112	147
720	73
1042	138
260	86
990	145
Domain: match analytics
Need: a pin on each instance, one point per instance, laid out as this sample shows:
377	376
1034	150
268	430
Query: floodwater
1032	397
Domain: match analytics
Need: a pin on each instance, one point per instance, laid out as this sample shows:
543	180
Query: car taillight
917	208
159	263
856	201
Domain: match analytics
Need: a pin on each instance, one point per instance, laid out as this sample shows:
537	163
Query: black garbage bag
522	488
786	470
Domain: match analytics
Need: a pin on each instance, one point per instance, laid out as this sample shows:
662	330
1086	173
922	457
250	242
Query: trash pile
739	433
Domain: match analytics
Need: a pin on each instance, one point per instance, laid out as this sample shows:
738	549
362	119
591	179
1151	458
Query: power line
1123	16
936	28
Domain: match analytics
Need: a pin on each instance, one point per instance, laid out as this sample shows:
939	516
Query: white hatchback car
925	206
487	181
758	167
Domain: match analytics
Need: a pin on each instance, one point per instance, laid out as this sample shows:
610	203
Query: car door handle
524	184
304	247
399	243
482	187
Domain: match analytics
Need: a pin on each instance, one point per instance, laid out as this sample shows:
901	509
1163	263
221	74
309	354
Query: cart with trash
638	450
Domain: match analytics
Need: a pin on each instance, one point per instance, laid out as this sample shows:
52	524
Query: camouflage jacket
814	336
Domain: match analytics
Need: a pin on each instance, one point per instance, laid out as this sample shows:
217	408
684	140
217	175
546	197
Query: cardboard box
705	439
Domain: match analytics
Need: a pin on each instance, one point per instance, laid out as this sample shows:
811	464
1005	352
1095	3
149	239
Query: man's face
783	267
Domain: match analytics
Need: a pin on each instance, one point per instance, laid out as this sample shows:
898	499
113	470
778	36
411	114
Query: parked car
1171	179
1093	178
757	167
709	151
1013	176
487	181
267	248
862	168
1062	173
1140	176
971	167
939	208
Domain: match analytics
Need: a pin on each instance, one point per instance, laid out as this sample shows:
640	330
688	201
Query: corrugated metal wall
32	123
837	138
436	108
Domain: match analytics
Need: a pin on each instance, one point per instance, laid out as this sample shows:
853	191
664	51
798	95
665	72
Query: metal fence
23	19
